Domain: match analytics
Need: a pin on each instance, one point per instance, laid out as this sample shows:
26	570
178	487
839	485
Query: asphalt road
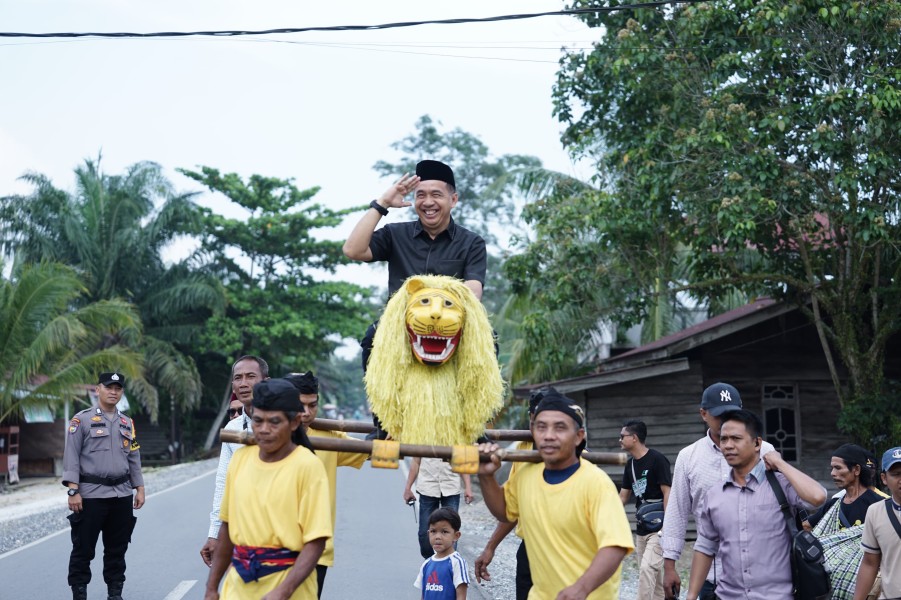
377	553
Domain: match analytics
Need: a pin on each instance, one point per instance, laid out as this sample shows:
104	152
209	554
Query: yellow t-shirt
331	461
521	445
284	504
564	526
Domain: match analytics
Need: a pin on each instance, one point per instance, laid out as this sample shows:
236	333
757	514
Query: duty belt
111	481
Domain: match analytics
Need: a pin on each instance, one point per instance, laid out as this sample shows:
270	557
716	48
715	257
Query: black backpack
809	574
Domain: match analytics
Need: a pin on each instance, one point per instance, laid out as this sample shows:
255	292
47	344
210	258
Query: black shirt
855	513
409	250
651	471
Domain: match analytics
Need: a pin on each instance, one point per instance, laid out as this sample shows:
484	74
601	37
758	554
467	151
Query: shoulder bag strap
783	503
842	517
892	517
634	480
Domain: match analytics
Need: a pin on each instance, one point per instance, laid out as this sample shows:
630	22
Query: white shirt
436	479
225	456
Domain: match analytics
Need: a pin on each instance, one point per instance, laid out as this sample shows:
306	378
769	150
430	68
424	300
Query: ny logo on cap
725	396
896	453
114	377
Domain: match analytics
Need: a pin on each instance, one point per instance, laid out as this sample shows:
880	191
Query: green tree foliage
582	277
484	207
48	349
556	302
113	229
268	260
277	308
765	138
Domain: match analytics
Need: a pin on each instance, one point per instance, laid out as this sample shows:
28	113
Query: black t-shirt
651	471
409	250
854	513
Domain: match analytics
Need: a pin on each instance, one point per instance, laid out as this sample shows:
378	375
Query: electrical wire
288	30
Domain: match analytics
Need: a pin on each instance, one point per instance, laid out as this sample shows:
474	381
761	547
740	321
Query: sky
321	108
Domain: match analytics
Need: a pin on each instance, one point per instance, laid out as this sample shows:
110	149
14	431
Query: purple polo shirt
744	527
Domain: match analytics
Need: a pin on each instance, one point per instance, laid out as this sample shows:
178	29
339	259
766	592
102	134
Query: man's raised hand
394	195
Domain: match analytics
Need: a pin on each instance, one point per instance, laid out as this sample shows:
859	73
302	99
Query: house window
781	419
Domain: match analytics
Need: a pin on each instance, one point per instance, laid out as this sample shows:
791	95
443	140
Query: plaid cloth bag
841	550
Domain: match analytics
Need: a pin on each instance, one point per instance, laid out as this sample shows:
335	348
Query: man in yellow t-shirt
308	386
523	573
275	509
569	512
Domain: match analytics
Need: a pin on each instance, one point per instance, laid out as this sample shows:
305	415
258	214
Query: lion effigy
433	376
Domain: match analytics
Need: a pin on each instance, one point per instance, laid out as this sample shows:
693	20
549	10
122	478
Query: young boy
443	576
882	535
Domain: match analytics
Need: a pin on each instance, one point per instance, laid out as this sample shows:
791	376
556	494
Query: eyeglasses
235	412
625	435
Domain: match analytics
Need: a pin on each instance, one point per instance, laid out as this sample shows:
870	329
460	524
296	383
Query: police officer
101	467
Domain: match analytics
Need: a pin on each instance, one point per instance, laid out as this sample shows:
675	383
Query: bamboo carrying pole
442	452
495	435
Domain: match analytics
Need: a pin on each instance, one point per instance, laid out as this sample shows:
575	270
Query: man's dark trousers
113	517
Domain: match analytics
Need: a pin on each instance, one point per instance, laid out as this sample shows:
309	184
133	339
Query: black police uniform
102	456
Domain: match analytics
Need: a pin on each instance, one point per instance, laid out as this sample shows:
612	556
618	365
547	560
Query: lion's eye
448	304
424	301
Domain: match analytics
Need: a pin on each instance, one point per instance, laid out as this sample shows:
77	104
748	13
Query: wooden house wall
784	350
41	448
668	404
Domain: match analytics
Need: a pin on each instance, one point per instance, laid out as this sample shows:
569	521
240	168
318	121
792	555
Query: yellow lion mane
435	405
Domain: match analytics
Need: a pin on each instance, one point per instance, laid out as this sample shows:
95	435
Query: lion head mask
429	379
435	319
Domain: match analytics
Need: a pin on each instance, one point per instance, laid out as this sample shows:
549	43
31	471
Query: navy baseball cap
720	398
891	458
111	378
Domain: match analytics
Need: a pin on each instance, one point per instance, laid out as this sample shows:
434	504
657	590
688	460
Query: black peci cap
435	170
277	394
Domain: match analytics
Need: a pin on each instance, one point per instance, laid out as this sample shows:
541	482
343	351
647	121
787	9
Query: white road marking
180	590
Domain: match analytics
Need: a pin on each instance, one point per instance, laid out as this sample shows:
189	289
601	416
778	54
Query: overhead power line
287	30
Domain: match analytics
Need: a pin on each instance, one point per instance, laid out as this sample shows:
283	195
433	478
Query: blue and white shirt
439	577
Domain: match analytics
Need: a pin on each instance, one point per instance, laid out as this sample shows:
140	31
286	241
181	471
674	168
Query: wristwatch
379	208
73	491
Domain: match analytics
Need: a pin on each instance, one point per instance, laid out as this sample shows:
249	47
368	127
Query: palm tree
47	347
113	230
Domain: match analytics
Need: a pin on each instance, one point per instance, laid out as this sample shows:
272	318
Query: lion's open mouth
433	348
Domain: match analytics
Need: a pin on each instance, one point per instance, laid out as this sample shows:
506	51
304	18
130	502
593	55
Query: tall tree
48	348
267	261
113	229
579	280
764	137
